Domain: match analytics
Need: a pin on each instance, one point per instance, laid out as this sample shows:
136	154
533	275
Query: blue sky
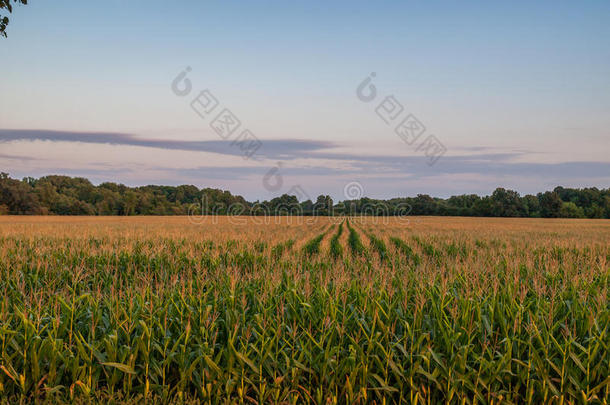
517	94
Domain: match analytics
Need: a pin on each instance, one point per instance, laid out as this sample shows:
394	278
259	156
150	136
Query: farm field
304	310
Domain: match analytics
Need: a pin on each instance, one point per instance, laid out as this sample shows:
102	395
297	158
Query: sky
379	99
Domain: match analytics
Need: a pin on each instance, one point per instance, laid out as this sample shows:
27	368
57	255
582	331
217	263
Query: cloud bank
318	164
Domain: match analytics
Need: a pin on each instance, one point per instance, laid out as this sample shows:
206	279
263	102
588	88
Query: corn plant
105	312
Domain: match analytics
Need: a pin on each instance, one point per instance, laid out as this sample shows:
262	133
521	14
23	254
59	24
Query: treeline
63	195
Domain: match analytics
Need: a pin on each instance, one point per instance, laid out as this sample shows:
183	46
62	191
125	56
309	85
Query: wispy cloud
16	157
272	149
413	167
318	165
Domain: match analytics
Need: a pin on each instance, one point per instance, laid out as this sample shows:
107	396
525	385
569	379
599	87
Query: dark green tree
18	197
550	204
4	20
507	203
532	206
63	195
323	205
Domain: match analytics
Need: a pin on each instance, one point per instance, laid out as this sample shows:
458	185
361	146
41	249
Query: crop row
397	319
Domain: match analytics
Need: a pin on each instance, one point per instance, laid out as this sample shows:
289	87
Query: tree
595	211
284	205
18	197
323	205
532	206
507	203
571	210
484	207
607	205
463	204
64	195
307	207
423	204
6	5
550	204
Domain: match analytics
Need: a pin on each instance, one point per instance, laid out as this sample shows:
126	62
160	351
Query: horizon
304	198
403	99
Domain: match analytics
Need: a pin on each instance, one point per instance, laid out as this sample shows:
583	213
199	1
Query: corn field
319	310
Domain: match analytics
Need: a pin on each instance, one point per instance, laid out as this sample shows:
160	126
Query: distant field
304	310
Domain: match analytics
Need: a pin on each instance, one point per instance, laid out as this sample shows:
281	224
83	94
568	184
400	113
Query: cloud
15	157
272	149
417	167
313	164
